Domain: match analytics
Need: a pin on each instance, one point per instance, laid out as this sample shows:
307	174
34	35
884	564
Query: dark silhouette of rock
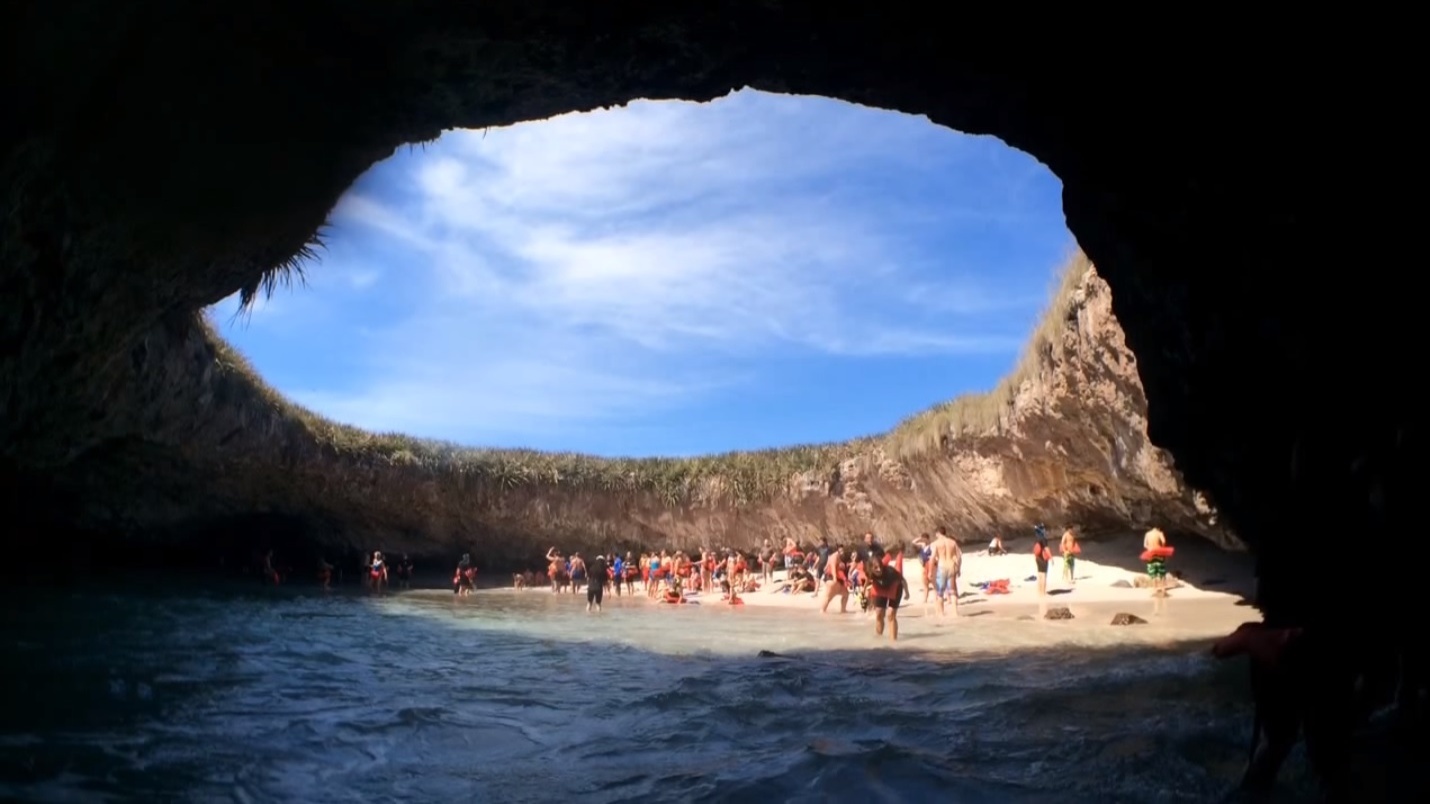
1058	613
1123	618
1244	214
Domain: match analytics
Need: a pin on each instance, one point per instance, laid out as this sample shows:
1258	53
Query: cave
1231	184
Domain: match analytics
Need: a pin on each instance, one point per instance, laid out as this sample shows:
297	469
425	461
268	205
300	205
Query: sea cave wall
1241	201
1062	440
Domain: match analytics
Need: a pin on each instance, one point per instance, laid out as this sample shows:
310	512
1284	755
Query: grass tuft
732	478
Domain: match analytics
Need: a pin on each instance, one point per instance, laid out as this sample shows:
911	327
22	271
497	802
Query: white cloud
606	264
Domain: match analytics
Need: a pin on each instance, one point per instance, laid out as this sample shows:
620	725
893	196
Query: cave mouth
667	278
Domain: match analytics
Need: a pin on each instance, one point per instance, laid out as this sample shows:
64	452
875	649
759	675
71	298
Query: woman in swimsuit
377	572
839	582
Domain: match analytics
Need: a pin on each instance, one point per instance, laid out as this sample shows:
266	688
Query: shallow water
236	695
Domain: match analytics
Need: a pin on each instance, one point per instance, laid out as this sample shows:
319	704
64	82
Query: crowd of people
862	571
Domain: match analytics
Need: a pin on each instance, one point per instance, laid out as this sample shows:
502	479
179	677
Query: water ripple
242	697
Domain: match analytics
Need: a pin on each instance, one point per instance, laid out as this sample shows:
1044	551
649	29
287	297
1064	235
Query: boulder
1123	618
1058	613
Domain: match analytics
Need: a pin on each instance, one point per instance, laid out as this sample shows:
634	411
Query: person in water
948	565
270	573
1041	554
886	591
1155	539
404	572
838	583
577	570
925	565
556	569
596	578
464	581
377	572
325	573
1070	549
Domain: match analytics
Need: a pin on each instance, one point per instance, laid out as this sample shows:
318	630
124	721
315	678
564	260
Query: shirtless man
767	562
838	583
556	569
948	565
886	590
1157	567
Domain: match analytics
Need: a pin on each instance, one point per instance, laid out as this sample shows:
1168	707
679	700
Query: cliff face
1066	443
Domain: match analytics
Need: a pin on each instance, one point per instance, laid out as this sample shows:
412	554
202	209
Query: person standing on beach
886	590
821	564
838	584
1070	550
948	565
1156	564
595	581
1041	554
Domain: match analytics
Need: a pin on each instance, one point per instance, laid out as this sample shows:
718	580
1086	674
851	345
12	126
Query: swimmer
767	562
596	585
376	572
886	591
556	570
464	581
325	573
578	571
948	563
404	572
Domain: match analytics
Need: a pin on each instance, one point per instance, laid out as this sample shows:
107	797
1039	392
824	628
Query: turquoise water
233	694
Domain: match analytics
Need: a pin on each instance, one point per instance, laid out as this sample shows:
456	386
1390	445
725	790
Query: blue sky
668	278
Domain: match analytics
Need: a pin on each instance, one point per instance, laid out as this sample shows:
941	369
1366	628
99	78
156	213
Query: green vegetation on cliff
738	478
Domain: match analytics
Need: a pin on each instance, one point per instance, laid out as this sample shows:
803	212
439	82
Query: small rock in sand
1122	584
1058	613
1123	618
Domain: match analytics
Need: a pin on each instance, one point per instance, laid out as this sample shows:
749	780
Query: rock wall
215	447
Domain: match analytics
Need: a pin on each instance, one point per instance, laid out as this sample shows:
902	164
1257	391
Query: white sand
1210	599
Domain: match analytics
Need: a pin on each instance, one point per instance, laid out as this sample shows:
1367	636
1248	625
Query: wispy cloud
610	265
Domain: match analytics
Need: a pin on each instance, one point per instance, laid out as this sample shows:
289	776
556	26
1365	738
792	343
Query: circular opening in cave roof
667	278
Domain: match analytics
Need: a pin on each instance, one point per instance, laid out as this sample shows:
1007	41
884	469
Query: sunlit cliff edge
1062	439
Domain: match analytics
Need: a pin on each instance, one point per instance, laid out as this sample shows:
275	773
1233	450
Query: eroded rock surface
210	444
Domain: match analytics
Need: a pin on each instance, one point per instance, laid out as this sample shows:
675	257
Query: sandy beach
1210	598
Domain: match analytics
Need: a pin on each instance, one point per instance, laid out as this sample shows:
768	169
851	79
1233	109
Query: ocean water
155	693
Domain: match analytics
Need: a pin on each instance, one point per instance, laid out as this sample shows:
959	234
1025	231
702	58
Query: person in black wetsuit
595	581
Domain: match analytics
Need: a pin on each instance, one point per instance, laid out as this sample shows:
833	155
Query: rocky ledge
221	462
